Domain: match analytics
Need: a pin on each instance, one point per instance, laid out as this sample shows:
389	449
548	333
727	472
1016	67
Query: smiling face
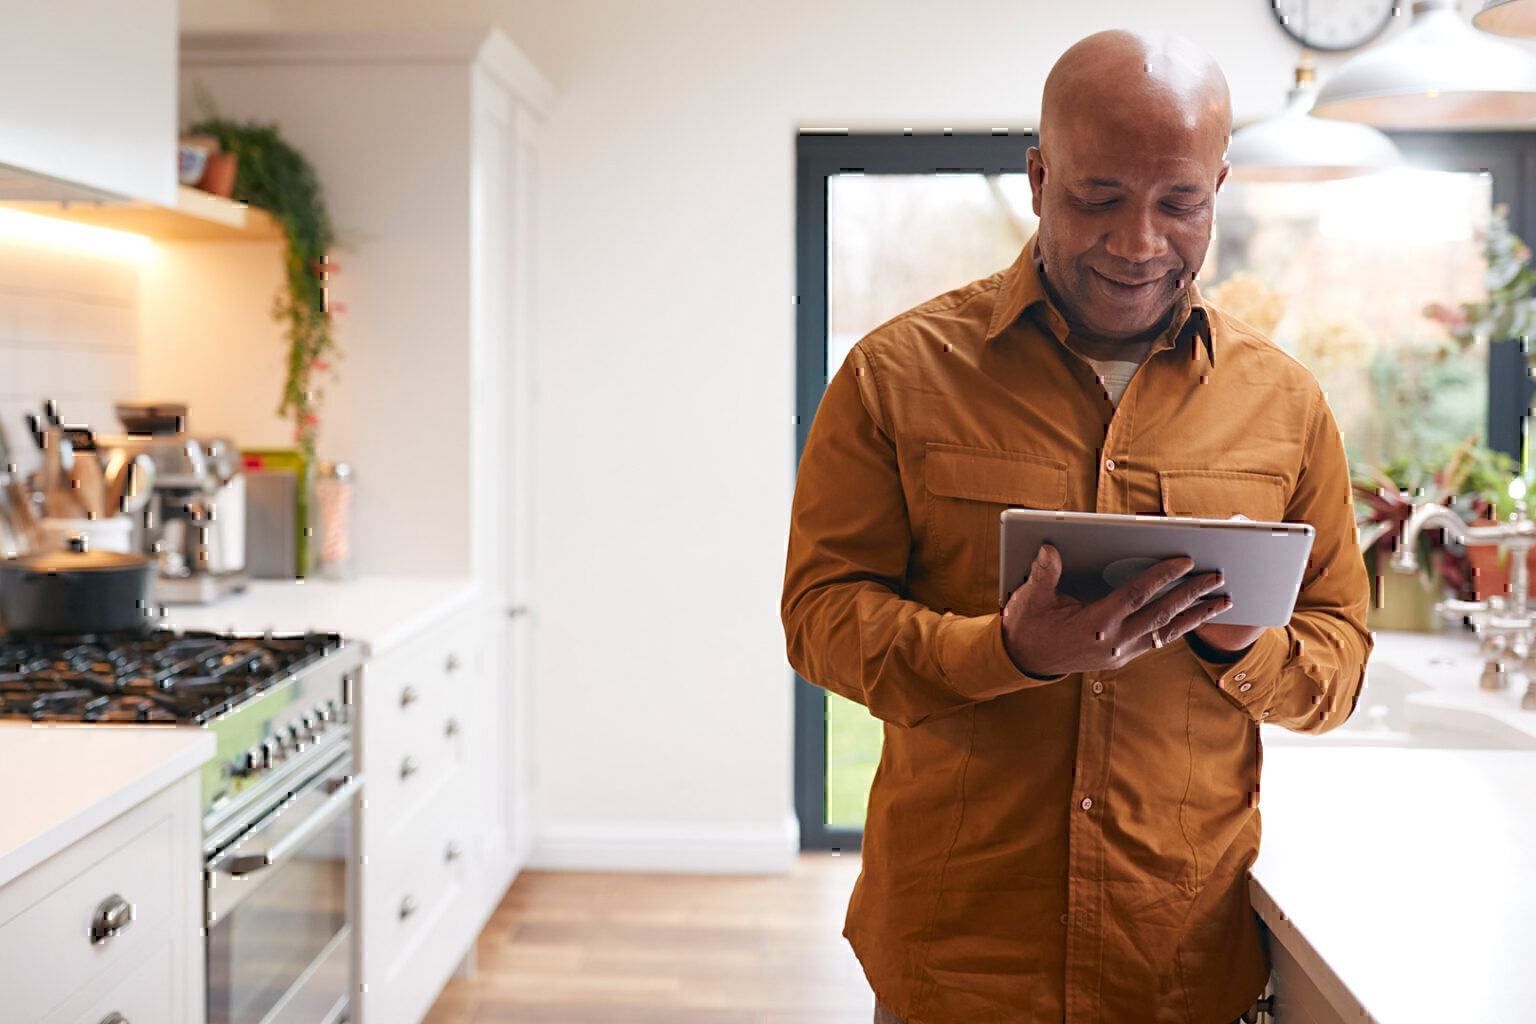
1125	181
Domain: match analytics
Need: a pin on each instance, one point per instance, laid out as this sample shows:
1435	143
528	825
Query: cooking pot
76	591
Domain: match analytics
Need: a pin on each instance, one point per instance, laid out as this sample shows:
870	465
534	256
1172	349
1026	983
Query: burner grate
156	677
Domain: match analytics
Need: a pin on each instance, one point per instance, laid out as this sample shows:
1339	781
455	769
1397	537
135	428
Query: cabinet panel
99	82
53	937
144	996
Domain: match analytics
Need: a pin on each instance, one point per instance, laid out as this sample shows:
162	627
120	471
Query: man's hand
1047	633
1230	638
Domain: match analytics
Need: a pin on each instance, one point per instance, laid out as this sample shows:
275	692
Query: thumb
1045	571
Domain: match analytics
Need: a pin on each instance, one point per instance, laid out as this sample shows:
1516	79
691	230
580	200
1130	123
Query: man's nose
1136	237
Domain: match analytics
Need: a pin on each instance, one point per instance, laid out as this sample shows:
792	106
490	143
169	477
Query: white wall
666	338
69	331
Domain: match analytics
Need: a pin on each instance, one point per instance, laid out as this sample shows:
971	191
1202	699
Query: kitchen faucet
1507	628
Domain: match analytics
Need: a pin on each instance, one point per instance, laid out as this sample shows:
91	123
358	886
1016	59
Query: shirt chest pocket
968	489
1223	493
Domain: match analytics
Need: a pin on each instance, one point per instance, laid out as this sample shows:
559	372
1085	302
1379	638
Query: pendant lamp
1507	17
1439	71
1295	146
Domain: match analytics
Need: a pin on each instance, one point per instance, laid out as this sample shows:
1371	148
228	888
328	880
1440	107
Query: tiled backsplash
69	330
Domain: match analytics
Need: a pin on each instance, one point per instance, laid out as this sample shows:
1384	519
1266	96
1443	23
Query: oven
279	908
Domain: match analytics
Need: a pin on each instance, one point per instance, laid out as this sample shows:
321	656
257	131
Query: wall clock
1333	24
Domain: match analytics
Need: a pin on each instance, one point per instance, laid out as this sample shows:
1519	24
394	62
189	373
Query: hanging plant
275	177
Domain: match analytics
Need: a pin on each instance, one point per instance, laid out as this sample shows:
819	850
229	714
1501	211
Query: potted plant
1473	482
273	175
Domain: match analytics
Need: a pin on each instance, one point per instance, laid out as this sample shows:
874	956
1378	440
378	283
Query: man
1065	811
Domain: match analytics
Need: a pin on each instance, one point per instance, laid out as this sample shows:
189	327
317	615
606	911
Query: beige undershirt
1114	374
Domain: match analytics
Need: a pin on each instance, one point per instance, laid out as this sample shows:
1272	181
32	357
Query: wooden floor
581	948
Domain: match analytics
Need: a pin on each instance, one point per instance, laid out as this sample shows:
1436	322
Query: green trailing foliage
274	176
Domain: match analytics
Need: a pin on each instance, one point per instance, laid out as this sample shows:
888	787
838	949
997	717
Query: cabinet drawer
417	878
145	996
52	937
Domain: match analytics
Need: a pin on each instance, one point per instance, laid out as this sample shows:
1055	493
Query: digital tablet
1262	563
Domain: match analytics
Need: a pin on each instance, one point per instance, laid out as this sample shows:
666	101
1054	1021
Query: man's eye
1178	210
1097	204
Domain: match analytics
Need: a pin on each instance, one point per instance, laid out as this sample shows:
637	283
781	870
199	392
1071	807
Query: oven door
279	910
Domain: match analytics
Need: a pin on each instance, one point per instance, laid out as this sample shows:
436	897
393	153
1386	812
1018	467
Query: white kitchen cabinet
91	99
149	971
424	742
424	143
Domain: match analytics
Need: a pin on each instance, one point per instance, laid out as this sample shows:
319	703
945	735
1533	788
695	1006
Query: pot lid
76	561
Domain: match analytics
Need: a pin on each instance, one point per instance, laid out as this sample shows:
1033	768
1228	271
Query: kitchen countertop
1407	872
65	781
380	612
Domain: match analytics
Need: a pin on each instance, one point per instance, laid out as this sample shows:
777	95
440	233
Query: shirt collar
1023	291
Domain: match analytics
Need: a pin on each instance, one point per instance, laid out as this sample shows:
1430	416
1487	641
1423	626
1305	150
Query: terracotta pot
1490	578
219	176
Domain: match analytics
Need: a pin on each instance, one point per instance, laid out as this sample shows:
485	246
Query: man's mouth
1132	287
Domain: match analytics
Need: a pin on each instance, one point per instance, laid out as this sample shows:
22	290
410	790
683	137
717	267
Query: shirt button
1087	803
1263	714
1098	687
1109	465
1063	918
1240	677
1245	688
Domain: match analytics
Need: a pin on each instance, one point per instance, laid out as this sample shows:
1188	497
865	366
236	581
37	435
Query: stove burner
146	677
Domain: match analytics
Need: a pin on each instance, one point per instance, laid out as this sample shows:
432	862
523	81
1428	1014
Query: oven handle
340	790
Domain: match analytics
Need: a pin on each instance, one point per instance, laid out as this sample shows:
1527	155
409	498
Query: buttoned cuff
1250	682
975	662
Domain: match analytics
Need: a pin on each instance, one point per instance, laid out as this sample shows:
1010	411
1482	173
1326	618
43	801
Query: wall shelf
198	216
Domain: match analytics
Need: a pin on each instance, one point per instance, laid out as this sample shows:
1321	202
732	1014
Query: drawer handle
408	696
454	851
452	664
410	766
114	914
408	906
115	1018
452	728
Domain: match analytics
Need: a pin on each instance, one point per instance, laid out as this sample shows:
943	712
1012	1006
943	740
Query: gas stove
278	703
187	678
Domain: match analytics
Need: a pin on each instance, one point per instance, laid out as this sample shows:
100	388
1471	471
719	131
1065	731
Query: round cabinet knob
410	766
453	852
112	916
407	907
408	696
114	1018
452	728
452	664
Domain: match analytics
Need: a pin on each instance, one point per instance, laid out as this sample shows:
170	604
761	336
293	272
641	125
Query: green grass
853	751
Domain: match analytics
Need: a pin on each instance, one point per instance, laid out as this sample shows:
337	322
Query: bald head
1138	78
1133	137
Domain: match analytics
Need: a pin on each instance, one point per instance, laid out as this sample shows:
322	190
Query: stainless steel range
279	798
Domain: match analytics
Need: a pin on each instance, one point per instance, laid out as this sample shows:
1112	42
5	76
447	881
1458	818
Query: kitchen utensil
35	425
89	485
139	488
14	498
76	591
59	499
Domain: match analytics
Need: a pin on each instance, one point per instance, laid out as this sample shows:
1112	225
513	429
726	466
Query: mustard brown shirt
1073	849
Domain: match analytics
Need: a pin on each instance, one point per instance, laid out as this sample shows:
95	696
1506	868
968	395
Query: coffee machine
194	522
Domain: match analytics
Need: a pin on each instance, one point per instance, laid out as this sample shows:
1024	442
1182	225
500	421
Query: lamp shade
1438	71
1295	146
1507	17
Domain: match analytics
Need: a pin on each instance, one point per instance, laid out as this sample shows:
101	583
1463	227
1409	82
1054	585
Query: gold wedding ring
1157	641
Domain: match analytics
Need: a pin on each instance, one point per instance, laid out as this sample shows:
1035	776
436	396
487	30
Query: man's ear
1037	172
1221	176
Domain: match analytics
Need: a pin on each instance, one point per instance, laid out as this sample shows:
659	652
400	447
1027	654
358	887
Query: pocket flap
1005	478
1223	493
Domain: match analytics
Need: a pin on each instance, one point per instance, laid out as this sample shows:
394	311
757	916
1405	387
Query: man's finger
1196	616
1160	613
1045	570
1139	592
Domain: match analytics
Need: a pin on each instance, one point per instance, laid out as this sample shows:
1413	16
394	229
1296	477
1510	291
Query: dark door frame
1509	156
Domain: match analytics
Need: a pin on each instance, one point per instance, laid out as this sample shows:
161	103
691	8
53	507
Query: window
1344	269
